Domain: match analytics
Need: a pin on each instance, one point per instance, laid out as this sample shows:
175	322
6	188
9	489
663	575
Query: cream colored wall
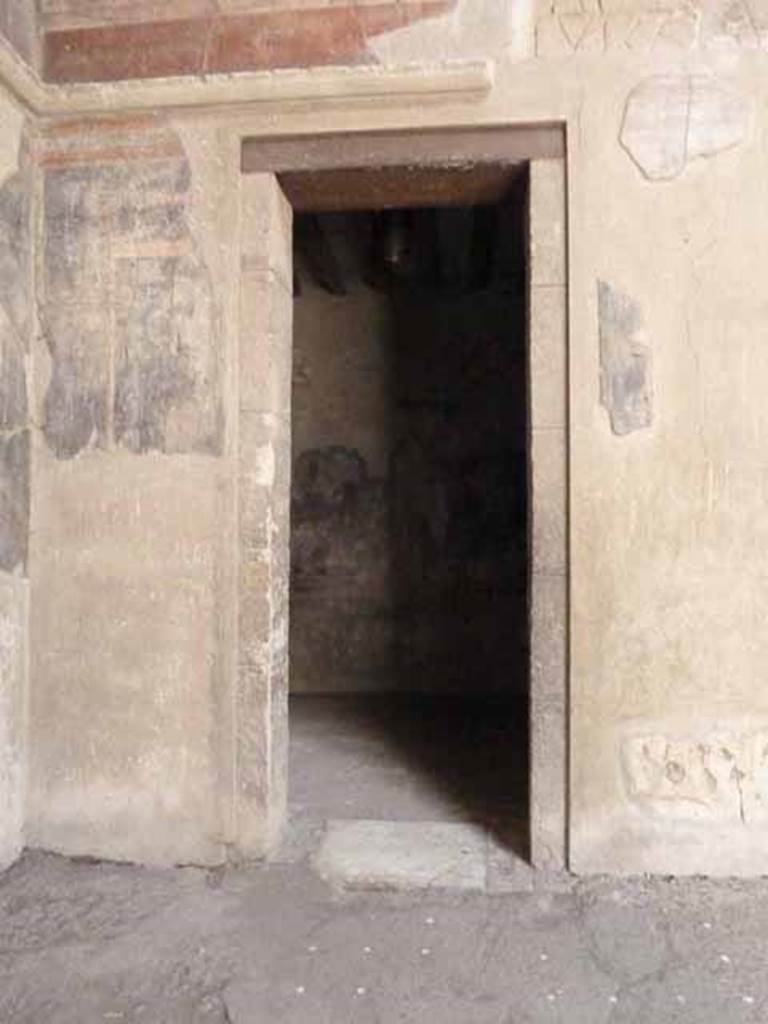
668	564
668	571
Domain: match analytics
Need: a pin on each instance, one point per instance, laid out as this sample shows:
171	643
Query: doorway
426	488
408	647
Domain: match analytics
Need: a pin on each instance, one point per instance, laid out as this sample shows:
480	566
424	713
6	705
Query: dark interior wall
409	527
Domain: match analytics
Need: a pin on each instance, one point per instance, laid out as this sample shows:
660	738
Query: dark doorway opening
409	643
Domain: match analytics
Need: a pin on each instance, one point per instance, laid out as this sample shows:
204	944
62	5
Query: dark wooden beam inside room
383	188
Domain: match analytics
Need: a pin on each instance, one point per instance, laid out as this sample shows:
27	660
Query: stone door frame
264	460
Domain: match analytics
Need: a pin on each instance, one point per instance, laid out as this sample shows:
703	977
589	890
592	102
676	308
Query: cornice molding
455	79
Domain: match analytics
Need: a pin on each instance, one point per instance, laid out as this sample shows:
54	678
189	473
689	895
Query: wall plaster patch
670	120
722	775
625	361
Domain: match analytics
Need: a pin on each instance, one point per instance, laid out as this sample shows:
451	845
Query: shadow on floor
393	757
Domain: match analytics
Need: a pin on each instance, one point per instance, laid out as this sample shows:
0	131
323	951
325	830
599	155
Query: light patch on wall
264	465
670	120
669	28
11	125
474	29
718	775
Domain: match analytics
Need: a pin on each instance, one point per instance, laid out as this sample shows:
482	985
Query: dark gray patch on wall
75	312
15	321
128	313
13	382
164	361
14	299
625	361
14	500
75	405
15	251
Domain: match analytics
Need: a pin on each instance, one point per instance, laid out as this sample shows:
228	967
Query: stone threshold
408	856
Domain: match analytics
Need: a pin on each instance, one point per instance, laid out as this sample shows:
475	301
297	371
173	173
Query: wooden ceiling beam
386	188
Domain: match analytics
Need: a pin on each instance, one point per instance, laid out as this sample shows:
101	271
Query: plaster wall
108	40
261	415
132	623
20	27
15	332
666	115
665	426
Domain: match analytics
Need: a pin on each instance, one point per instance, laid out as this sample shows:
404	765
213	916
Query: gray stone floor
82	942
409	759
410	792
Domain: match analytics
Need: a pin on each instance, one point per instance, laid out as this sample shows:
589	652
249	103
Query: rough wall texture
409	487
716	28
19	25
667	579
15	329
548	504
263	513
127	661
668	553
126	304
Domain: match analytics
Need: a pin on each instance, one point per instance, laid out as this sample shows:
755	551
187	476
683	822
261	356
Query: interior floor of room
89	943
411	758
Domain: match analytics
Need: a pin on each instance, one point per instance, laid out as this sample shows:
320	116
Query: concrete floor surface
82	943
87	943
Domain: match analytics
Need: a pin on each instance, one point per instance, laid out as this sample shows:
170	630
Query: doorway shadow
440	642
412	758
